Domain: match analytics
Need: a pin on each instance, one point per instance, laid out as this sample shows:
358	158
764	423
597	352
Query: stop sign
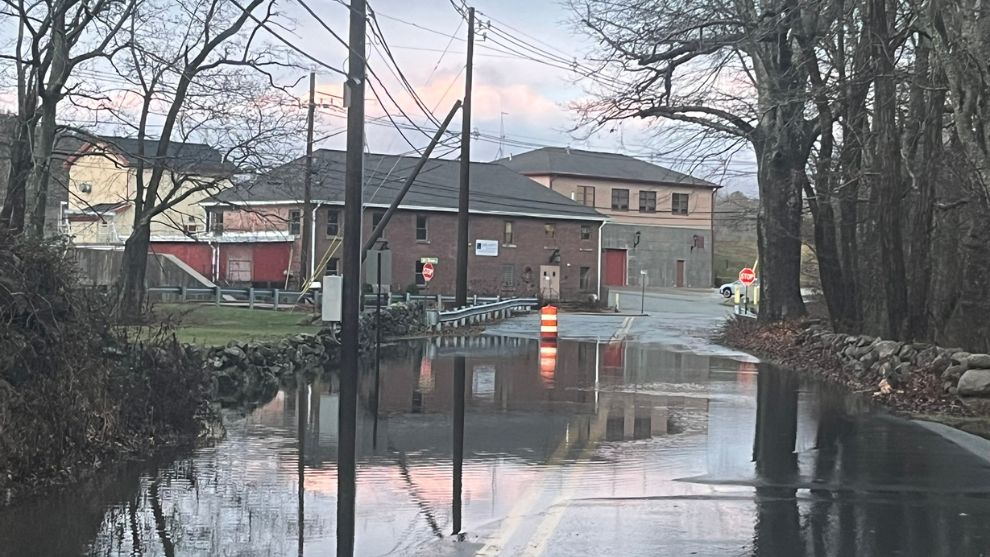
428	272
747	276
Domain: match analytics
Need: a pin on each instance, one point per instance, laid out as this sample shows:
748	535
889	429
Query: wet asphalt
634	435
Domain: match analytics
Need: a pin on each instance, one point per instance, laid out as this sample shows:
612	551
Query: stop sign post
747	276
428	272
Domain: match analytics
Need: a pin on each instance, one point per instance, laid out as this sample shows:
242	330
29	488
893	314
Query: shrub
76	389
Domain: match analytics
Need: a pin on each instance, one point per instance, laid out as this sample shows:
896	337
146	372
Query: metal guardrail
483	312
277	297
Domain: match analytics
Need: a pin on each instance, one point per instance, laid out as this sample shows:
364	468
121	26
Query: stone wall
246	373
871	358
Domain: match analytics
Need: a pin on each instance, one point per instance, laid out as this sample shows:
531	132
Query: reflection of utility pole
307	212
462	202
350	304
460	388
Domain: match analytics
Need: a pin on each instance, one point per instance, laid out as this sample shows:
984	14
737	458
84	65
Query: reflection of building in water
518	401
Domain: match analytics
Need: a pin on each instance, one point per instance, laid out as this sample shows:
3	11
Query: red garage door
615	267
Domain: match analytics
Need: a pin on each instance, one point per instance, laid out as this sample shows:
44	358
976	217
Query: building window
508	276
699	241
585	231
216	221
679	203
584	279
620	199
647	202
550	230
421	230
295	221
333	267
585	195
507	237
191	226
333	223
420	281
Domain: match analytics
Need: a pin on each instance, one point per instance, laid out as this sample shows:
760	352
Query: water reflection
518	446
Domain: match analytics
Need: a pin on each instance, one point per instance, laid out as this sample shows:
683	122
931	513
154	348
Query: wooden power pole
307	211
460	298
350	304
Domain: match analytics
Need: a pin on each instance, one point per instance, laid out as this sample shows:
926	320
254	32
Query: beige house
103	184
660	222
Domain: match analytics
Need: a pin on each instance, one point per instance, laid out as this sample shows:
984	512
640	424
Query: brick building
526	239
660	222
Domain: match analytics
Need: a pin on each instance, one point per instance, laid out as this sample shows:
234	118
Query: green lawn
215	326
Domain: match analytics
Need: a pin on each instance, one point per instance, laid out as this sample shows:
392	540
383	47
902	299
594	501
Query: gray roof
494	188
180	155
594	164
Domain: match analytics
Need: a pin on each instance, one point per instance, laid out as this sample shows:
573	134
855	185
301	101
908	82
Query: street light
642	298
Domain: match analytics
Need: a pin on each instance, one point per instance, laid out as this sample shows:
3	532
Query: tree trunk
924	155
781	178
131	288
886	174
12	215
41	171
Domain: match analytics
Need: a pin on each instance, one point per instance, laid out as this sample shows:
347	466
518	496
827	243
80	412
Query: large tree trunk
886	174
131	287
781	179
923	134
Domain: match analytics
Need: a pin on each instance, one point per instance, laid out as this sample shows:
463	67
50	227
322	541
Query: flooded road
595	448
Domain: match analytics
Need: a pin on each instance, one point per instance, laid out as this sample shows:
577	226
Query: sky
526	101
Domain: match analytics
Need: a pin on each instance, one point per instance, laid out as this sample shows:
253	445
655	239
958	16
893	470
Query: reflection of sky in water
614	428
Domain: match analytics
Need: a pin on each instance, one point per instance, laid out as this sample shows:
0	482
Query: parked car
729	288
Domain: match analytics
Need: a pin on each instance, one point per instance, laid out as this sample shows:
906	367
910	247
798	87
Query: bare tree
53	39
200	73
736	69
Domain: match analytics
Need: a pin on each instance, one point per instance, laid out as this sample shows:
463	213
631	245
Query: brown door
680	274
615	267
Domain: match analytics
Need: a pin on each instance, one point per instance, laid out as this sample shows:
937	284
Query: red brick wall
532	248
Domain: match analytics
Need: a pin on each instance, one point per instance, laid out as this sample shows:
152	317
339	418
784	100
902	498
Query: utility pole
307	213
460	298
351	303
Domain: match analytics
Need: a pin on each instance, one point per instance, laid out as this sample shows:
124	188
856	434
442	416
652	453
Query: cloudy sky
523	87
521	91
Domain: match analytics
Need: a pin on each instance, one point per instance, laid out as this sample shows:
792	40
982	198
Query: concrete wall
658	250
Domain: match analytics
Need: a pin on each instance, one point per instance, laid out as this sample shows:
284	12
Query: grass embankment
216	326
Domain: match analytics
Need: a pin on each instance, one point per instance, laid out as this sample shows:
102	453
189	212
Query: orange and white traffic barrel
548	322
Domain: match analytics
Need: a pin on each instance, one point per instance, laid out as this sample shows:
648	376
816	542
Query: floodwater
591	449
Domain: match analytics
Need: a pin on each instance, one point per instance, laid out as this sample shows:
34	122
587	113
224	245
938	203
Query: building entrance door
680	274
615	267
550	282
